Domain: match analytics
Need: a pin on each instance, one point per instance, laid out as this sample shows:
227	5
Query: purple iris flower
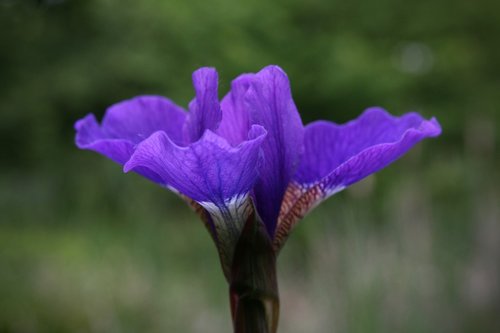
250	152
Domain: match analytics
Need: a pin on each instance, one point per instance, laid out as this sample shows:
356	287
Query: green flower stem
253	286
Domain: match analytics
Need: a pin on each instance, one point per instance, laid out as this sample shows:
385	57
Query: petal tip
273	68
129	165
273	71
87	131
434	127
81	123
205	73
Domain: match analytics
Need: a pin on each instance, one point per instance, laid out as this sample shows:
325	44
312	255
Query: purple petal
337	156
136	119
270	104
347	153
90	135
127	123
204	110
235	118
210	171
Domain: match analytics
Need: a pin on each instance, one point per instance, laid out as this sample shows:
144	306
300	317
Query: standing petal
204	110
235	118
211	172
270	104
337	156
127	123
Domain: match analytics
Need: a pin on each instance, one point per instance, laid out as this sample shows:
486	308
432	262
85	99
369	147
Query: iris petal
337	156
210	171
235	118
270	104
127	123
204	109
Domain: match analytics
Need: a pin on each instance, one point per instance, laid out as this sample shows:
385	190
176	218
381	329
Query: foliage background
84	248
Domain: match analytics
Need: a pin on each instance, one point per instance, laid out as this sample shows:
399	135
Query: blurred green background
85	248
